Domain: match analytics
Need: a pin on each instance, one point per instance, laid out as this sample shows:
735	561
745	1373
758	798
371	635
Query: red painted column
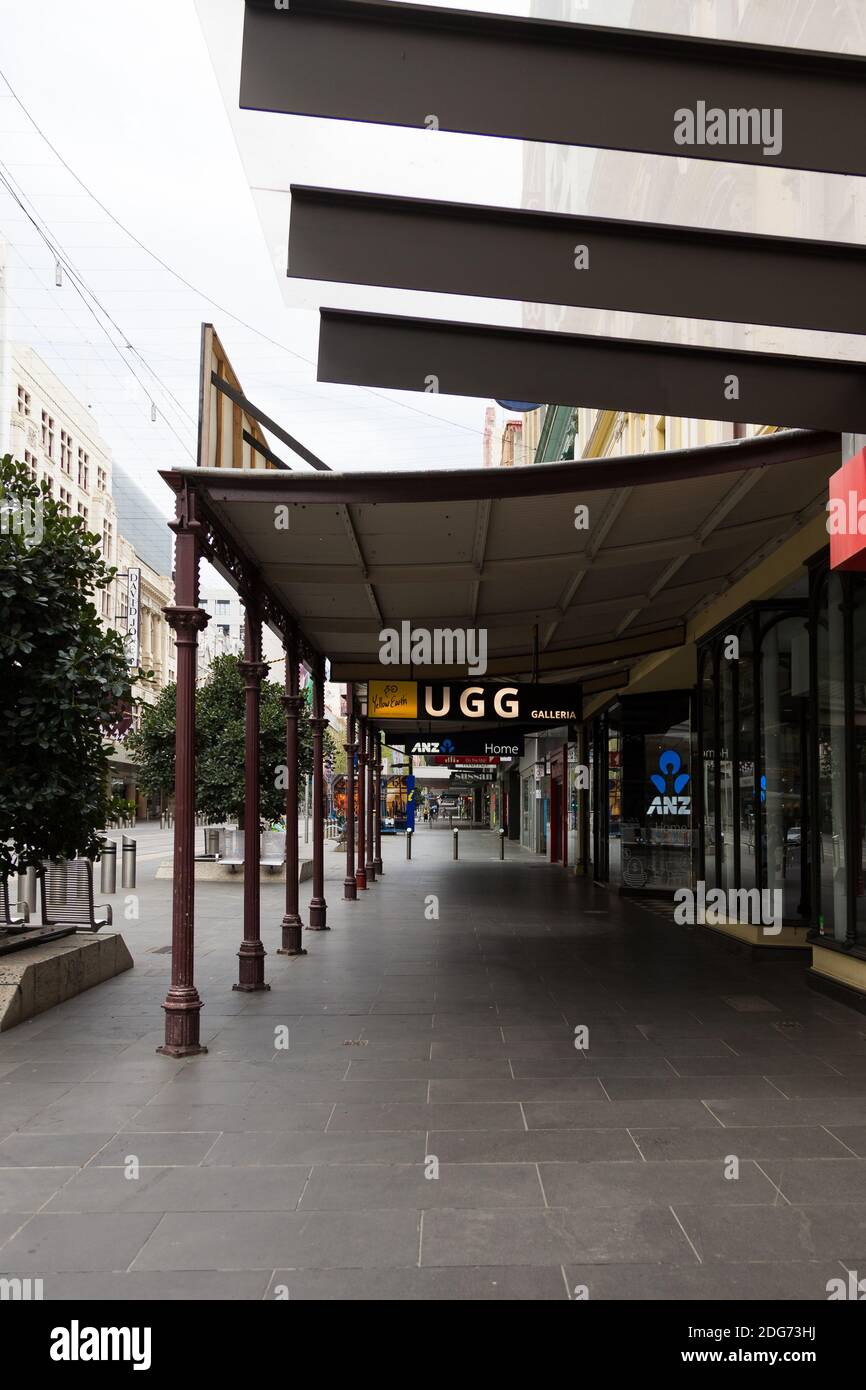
318	906
350	886
251	956
293	704
377	745
371	803
361	870
182	1003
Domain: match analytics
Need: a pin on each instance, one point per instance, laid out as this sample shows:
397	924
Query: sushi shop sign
542	705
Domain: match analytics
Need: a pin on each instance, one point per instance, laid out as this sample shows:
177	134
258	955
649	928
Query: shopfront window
727	843
746	813
831	800
859	769
708	766
784	692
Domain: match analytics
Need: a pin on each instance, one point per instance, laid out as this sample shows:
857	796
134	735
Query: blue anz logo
670	782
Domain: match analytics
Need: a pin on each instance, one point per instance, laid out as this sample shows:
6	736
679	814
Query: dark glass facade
781	745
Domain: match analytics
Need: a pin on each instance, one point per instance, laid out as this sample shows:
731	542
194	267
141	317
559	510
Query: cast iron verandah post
293	705
350	887
371	803
182	1003
318	907
361	870
377	744
251	955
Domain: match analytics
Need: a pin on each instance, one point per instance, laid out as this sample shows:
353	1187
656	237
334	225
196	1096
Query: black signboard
486	743
501	702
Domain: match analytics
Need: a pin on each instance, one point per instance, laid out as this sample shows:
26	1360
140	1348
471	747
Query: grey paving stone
710	1282
63	1243
28	1149
403	1117
740	1234
688	1087
9	1224
852	1136
304	1147
532	1146
621	1114
370	1186
518	1089
271	1240
156	1150
814	1181
28	1189
652	1184
623	1235
182	1189
812	1111
515	1284
204	1286
776	1141
241	1118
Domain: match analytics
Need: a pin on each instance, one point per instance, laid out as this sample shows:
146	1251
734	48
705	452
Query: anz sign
670	782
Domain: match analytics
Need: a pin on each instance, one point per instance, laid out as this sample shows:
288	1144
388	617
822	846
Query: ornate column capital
293	705
186	621
253	672
318	725
350	748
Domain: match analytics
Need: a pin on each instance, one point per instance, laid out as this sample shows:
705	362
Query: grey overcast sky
134	97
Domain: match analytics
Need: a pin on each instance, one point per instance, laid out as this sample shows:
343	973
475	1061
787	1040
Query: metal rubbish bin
128	872
108	867
211	841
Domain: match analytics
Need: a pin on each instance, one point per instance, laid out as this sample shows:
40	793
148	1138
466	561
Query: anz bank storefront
752	779
641	835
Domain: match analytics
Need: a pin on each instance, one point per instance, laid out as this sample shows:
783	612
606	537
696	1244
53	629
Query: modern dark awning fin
575	84
466	359
551	258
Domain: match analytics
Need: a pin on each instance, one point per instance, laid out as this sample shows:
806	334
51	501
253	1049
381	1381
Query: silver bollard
408	842
108	867
456	839
128	873
502	844
27	888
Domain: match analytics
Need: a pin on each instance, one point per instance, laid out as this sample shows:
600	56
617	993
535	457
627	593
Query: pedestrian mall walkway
431	1131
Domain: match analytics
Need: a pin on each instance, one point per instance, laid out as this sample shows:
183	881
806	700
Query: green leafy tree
64	680
219	745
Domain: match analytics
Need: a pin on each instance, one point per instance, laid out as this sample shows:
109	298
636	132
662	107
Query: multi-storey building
59	440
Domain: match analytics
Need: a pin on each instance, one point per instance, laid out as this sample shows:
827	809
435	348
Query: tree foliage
219	745
63	678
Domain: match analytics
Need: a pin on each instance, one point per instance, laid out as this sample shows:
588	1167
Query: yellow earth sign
392	699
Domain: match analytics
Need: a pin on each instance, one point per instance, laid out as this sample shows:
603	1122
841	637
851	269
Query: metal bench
234	855
67	896
273	849
16	916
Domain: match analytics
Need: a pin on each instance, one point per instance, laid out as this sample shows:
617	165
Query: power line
201	293
86	295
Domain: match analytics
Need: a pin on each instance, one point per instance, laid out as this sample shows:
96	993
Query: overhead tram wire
86	295
251	328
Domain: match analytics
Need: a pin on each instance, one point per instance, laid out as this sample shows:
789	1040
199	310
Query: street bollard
409	842
27	888
456	838
128	873
108	867
502	844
